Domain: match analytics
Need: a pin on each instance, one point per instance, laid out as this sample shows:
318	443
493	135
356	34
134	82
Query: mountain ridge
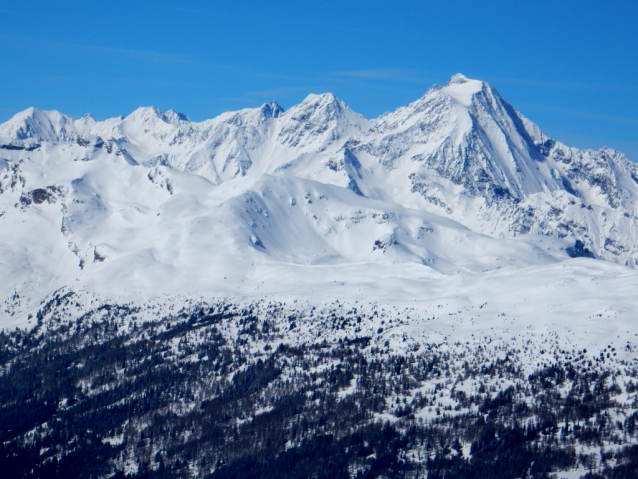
112	190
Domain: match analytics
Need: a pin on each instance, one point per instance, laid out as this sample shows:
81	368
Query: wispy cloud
43	43
352	28
151	82
142	55
580	113
197	11
382	74
557	84
56	79
283	92
279	76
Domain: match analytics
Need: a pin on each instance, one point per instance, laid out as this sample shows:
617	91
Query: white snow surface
455	199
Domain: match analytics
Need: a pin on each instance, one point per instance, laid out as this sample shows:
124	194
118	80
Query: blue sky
569	66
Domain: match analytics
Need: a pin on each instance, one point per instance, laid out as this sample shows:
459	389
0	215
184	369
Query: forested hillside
222	390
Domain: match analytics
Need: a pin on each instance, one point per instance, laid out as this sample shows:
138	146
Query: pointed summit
272	109
325	99
459	78
326	103
87	118
462	89
318	120
145	113
173	117
44	125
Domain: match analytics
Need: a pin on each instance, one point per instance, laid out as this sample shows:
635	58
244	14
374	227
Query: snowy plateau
440	292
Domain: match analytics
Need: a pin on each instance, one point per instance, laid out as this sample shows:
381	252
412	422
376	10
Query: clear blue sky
570	66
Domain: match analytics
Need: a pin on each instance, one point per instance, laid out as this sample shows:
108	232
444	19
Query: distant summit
458	78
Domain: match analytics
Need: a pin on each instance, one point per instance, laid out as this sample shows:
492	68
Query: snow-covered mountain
328	262
452	181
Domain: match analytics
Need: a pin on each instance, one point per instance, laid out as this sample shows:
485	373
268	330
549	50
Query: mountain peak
34	123
87	118
323	98
272	109
459	78
33	112
462	89
173	117
145	113
325	104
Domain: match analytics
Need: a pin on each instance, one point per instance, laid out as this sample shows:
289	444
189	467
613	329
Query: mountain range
418	290
457	180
